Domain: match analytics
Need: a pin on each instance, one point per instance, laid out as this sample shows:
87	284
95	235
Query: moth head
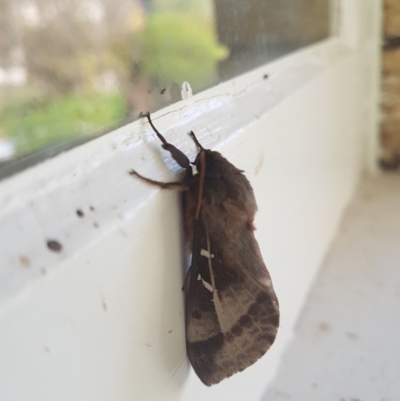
209	157
205	156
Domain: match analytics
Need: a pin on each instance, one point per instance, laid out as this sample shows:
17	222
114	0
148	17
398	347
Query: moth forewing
232	313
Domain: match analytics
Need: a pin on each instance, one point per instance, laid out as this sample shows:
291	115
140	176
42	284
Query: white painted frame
103	319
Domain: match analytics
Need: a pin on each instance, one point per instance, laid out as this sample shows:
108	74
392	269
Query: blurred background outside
72	70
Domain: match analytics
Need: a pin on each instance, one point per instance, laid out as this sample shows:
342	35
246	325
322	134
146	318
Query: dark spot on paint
123	233
170	331
92	209
25	261
103	302
324	327
96	225
352	336
265	76
163	90
54	245
79	213
43	271
46	349
196	314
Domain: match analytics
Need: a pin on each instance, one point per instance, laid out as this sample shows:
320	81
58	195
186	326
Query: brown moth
232	313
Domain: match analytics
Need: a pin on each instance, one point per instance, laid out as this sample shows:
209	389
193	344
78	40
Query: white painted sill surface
103	319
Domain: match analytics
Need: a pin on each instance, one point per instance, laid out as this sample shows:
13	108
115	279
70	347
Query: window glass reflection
72	70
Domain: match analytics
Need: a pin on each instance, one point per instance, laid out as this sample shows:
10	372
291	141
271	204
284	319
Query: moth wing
232	313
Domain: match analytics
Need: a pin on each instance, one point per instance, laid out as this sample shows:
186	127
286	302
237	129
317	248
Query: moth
232	312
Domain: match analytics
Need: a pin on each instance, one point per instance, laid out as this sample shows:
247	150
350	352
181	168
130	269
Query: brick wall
390	126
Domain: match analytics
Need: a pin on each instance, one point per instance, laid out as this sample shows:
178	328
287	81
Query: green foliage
180	49
39	125
62	59
194	7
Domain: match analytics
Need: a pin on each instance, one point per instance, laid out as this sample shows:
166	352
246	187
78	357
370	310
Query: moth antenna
176	154
193	136
201	182
162	139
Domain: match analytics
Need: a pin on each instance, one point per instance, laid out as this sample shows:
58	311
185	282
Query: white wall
103	319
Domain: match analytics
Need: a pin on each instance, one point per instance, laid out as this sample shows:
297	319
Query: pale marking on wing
225	325
244	310
207	254
252	296
237	318
194	169
208	286
217	303
218	308
273	301
247	290
235	344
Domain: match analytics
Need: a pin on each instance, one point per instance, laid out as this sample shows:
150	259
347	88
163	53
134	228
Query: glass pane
71	70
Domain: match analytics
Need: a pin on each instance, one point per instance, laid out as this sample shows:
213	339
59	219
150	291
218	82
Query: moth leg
193	136
178	186
176	154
